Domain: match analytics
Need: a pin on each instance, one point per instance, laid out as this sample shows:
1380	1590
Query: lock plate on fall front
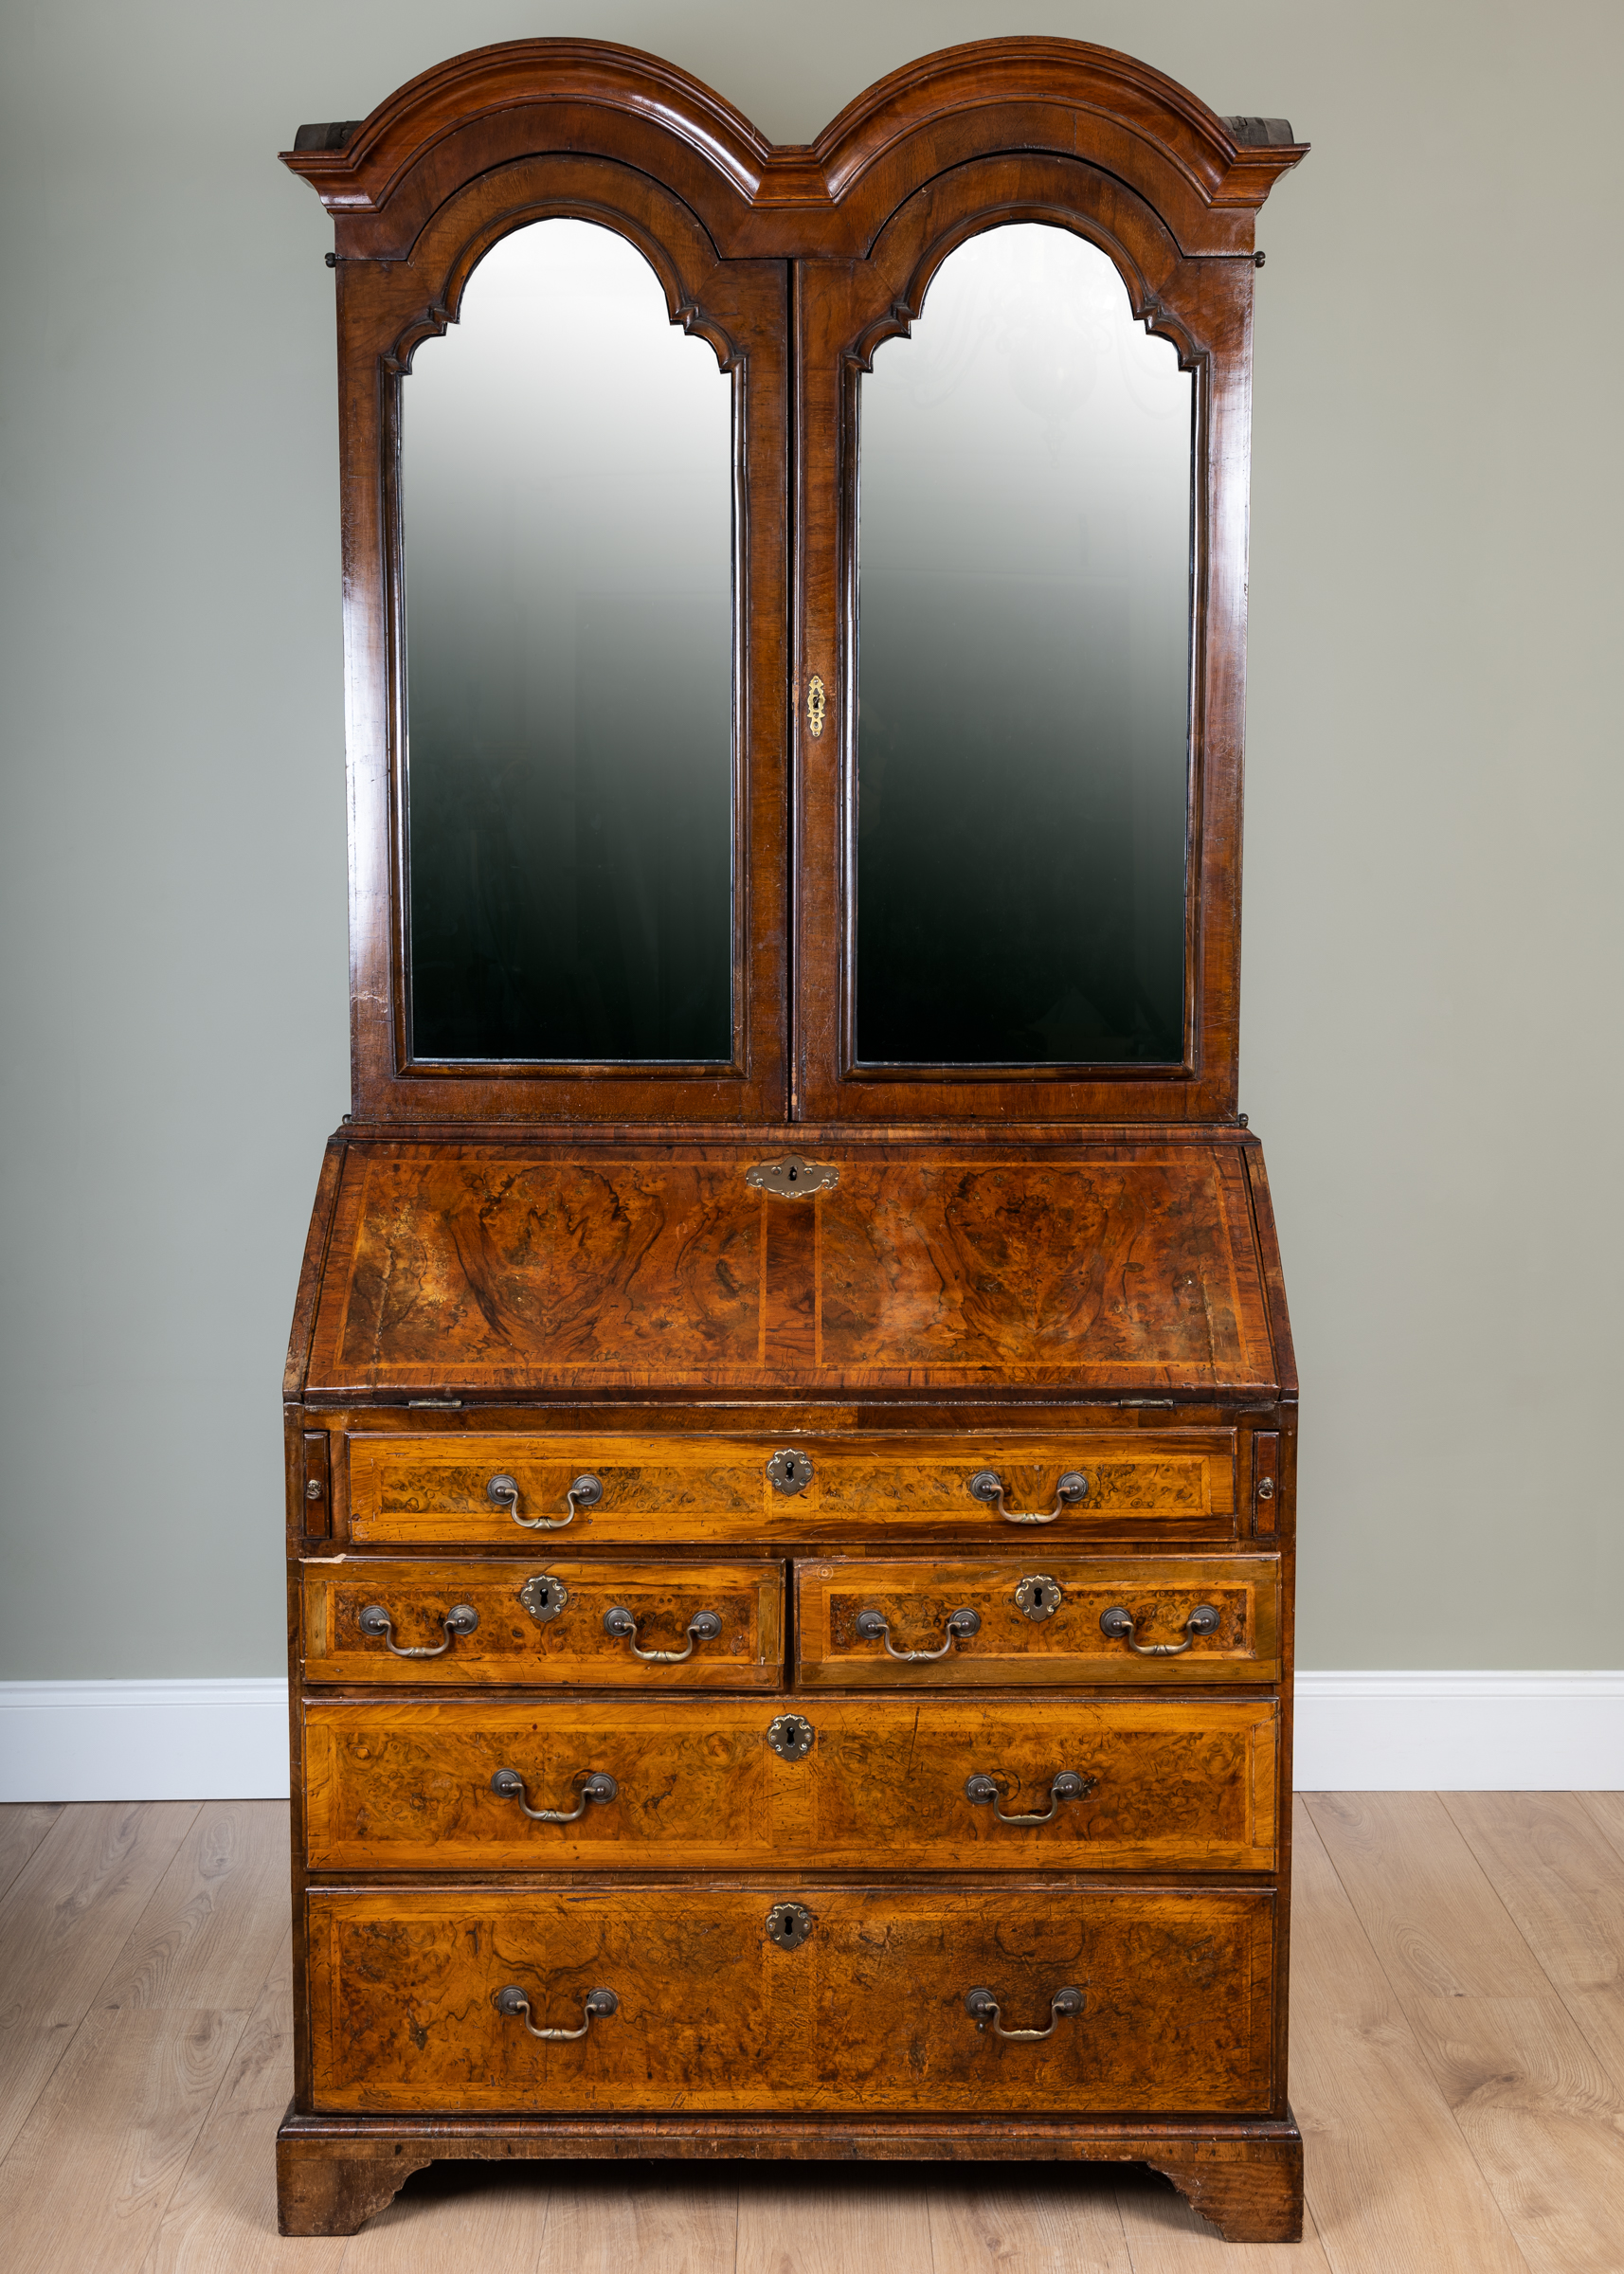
794	1178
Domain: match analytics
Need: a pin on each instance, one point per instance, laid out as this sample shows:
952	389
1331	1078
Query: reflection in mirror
1024	642
567	491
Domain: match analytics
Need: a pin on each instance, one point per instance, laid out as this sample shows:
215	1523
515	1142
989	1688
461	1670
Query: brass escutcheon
789	1471
789	1924
544	1597
817	703
791	1736
1038	1596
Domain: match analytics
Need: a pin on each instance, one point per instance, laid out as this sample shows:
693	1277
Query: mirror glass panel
567	499
1024	669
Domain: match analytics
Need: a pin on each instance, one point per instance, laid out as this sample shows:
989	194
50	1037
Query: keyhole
792	1174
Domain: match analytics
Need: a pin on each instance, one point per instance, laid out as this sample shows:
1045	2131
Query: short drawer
786	1994
712	1626
1054	1620
493	1489
713	1784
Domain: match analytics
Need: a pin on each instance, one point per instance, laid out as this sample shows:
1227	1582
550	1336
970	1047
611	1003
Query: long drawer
710	1626
794	1995
1048	1619
466	1489
727	1783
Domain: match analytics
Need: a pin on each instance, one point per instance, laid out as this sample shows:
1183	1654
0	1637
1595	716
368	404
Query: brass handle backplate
703	1627
510	1784
460	1619
1118	1624
1072	1491
872	1628
985	2007
599	2004
586	1493
983	1791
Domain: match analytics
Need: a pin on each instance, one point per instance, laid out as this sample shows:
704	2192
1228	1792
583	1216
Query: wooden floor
1457	2070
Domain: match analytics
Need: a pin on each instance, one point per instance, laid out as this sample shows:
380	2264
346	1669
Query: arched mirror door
1022	606
576	579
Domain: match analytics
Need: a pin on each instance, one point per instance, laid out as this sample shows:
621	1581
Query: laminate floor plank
90	2175
1392	2186
64	1916
1606	1809
1035	2218
605	2218
1562	1881
23	1825
823	2219
1532	2099
222	2217
217	1918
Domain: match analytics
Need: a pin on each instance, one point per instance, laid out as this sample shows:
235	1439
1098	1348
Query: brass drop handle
872	1628
513	2001
985	2007
703	1627
1068	1785
1118	1624
586	1493
460	1619
1070	1492
511	1786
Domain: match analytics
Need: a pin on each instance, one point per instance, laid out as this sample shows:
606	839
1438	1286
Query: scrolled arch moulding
784	202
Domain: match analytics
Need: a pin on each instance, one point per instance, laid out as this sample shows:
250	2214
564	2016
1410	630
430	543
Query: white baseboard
1455	1732
218	1740
1356	1732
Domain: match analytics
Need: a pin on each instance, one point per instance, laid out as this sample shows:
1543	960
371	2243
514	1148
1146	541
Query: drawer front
495	1490
717	1784
545	1623
867	2013
842	1607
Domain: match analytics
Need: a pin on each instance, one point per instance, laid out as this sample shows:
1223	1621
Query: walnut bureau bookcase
790	1412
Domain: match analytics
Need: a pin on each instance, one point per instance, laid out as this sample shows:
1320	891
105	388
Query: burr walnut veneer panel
511	1645
1172	1784
868	2013
1067	1644
412	1489
1129	1267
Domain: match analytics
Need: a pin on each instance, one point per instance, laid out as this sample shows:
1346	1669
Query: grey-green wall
1432	952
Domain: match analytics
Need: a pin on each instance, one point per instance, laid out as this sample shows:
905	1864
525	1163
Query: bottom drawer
858	2001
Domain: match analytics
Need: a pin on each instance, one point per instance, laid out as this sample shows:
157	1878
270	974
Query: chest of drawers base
1043	1768
1244	2176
